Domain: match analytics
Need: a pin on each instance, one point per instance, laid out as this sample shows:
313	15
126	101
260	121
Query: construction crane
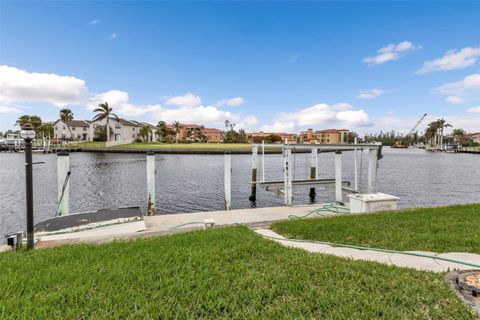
401	144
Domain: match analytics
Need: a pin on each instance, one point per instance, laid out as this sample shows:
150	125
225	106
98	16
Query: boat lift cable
65	183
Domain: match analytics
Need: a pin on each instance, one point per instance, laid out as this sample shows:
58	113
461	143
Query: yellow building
329	136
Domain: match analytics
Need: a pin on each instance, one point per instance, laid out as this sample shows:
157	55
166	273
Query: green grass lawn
442	229
228	273
89	144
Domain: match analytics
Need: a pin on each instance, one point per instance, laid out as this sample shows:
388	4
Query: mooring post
63	182
313	172
338	177
355	166
151	184
372	170
253	193
263	160
227	180
287	176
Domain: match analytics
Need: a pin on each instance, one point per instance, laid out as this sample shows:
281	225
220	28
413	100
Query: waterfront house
121	130
471	137
213	135
329	136
258	137
78	130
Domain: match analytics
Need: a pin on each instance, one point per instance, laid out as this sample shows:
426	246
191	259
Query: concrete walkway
396	259
181	221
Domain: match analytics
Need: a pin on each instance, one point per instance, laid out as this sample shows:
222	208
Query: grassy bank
89	144
443	229
194	146
219	273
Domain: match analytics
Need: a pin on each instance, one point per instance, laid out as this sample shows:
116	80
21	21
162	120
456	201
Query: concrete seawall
182	151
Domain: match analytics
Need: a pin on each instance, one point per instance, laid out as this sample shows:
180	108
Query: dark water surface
188	183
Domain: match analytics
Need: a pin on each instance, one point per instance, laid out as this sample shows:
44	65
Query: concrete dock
174	223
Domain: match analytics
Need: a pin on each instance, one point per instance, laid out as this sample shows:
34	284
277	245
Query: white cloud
370	94
390	52
113	36
342	106
452	60
233	102
187	100
455	99
469	86
9	109
280	127
18	85
338	115
474	110
186	109
94	22
119	101
355	118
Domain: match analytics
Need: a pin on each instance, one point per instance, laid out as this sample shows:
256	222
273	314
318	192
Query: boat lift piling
63	182
289	182
313	172
372	170
355	163
253	193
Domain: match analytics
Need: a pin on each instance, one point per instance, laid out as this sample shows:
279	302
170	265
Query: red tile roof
211	130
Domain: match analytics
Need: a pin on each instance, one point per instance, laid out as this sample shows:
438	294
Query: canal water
189	183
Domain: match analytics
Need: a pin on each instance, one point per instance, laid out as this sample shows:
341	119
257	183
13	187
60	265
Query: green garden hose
340	210
378	250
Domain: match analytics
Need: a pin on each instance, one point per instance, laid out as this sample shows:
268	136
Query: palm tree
176	126
145	132
161	130
66	115
441	125
104	112
431	133
34	120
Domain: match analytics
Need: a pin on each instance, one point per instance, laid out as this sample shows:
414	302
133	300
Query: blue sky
277	66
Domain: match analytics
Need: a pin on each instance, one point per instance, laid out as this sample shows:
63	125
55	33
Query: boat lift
286	185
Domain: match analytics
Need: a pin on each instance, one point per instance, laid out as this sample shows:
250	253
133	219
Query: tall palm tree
66	115
431	133
145	132
441	125
176	126
104	112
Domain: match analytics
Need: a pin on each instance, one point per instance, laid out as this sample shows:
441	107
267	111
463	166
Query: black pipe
29	192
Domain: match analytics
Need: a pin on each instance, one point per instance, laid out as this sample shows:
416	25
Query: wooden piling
151	184
287	175
227	180
338	177
63	182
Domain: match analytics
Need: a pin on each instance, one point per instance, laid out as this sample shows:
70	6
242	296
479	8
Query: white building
72	130
121	130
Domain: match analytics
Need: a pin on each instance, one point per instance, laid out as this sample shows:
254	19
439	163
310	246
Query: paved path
397	259
179	221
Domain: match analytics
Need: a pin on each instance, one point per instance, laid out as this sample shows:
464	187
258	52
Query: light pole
28	134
